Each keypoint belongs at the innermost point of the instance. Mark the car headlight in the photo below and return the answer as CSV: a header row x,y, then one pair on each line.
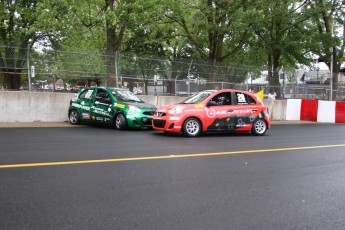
x,y
134,109
175,111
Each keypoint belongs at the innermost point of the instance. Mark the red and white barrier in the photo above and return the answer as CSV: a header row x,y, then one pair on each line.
x,y
315,110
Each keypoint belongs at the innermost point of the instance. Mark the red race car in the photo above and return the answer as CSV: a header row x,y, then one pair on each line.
x,y
214,111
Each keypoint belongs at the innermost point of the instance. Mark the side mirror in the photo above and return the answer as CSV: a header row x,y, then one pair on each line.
x,y
211,103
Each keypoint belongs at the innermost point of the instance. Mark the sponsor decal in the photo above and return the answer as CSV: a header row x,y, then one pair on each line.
x,y
231,123
211,113
243,111
199,106
240,123
174,118
101,112
85,116
84,107
121,106
193,110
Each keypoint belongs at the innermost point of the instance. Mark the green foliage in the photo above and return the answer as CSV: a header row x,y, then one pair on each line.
x,y
227,35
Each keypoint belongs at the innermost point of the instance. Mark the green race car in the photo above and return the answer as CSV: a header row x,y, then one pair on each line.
x,y
114,106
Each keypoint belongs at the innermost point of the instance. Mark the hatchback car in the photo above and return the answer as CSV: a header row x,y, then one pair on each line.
x,y
214,111
114,106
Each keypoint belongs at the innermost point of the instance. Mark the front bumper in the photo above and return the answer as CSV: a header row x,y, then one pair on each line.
x,y
139,121
167,124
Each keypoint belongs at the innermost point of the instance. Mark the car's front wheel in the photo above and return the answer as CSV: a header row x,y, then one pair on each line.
x,y
191,127
74,117
259,127
120,122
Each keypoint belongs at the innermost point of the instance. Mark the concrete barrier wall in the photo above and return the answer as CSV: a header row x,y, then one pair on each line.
x,y
293,109
316,110
326,111
53,107
34,106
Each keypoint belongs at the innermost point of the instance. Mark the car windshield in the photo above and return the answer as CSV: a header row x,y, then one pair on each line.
x,y
198,98
125,96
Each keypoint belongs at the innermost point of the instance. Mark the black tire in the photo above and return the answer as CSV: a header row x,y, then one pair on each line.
x,y
191,127
74,117
259,127
120,122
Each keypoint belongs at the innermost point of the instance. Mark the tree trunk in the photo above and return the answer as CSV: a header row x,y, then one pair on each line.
x,y
115,34
12,81
273,73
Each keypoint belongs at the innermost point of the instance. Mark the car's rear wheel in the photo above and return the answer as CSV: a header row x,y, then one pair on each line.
x,y
259,127
74,117
191,127
120,121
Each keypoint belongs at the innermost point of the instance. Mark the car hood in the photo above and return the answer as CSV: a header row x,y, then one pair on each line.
x,y
143,105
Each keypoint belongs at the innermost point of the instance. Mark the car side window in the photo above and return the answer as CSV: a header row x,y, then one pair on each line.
x,y
251,100
244,99
222,99
102,96
86,94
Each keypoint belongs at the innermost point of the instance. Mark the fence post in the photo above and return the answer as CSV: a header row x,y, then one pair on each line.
x,y
28,66
116,69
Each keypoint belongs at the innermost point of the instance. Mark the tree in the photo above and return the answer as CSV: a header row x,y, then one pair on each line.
x,y
328,18
216,30
280,29
16,21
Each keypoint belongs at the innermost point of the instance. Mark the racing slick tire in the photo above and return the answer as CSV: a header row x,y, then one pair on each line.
x,y
120,122
259,127
191,127
74,117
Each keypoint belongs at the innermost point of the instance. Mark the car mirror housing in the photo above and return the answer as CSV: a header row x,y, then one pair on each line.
x,y
211,103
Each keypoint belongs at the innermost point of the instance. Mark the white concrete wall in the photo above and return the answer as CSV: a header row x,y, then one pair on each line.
x,y
293,109
34,106
326,111
52,107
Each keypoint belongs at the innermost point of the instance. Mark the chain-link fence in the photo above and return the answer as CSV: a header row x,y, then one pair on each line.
x,y
51,70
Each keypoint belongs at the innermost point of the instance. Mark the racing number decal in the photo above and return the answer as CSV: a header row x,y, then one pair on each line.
x,y
241,99
89,94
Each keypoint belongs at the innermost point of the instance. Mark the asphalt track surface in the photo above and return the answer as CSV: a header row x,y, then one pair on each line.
x,y
91,177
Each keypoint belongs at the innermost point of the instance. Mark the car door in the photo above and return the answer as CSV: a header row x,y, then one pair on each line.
x,y
101,108
244,110
218,112
83,103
